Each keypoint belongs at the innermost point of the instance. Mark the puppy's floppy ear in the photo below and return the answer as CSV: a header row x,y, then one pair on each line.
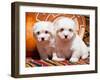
x,y
55,22
33,30
52,30
74,18
34,35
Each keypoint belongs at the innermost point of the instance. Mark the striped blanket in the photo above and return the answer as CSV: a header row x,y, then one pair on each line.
x,y
40,63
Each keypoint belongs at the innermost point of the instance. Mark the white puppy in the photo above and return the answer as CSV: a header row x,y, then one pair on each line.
x,y
68,44
43,32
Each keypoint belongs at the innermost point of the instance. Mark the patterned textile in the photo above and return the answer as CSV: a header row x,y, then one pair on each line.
x,y
42,63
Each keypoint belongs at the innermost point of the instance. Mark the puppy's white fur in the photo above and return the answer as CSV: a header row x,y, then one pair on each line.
x,y
43,32
68,43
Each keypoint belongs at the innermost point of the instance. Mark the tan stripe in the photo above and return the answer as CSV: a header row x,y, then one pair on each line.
x,y
32,64
62,63
55,62
27,65
47,63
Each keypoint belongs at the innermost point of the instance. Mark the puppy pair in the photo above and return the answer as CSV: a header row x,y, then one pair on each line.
x,y
59,39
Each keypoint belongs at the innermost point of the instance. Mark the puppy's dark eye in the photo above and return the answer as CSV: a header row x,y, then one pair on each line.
x,y
61,29
70,30
46,32
38,33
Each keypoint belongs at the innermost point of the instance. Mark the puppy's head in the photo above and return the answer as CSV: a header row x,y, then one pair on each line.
x,y
65,28
43,31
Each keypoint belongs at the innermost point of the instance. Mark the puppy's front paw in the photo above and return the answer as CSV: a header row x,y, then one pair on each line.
x,y
58,59
73,60
85,56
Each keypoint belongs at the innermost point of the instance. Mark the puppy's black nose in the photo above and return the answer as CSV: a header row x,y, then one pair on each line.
x,y
42,39
66,36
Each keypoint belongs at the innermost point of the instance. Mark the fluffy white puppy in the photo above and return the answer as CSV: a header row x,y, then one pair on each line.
x,y
68,44
43,32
